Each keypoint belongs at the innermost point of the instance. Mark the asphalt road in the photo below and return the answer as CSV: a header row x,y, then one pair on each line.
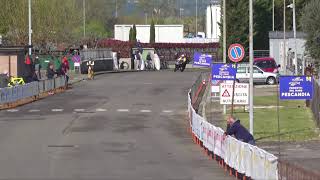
x,y
119,126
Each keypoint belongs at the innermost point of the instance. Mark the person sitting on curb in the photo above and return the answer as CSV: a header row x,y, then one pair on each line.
x,y
241,133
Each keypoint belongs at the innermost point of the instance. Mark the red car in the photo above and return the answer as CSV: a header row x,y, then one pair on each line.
x,y
267,64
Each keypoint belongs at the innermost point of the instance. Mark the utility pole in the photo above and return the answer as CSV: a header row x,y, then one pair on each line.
x,y
251,65
272,15
295,37
116,14
196,17
30,29
224,33
284,37
84,18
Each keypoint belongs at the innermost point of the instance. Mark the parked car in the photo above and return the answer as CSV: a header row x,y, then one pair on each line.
x,y
259,76
267,64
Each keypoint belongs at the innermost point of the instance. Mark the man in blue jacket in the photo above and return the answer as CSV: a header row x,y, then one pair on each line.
x,y
241,133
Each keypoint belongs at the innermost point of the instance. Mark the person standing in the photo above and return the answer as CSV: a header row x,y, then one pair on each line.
x,y
37,68
241,133
90,65
137,60
50,75
64,69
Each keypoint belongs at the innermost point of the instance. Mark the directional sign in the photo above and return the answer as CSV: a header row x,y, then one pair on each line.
x,y
223,71
241,93
202,59
296,87
236,52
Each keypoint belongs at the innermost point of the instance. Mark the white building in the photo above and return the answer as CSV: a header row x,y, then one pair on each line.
x,y
213,16
164,33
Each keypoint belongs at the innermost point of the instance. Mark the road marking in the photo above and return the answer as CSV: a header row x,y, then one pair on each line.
x,y
56,110
34,110
101,110
12,110
79,110
167,111
147,83
123,110
145,111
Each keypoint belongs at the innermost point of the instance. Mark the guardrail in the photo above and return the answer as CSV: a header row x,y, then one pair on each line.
x,y
294,172
16,93
239,158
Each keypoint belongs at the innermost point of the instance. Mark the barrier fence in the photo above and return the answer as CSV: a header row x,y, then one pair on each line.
x,y
13,94
315,102
241,159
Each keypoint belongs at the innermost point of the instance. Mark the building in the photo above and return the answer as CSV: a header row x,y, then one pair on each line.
x,y
164,33
213,16
276,43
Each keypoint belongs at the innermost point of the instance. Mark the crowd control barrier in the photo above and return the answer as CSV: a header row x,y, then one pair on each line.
x,y
238,158
16,93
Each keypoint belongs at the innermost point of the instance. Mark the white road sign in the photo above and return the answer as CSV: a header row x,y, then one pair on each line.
x,y
241,93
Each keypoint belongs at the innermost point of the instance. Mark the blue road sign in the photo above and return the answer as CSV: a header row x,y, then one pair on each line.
x,y
202,59
296,87
236,52
223,71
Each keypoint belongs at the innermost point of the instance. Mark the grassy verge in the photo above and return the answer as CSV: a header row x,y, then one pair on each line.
x,y
296,121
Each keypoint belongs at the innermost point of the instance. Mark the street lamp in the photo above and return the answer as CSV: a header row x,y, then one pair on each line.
x,y
30,29
293,7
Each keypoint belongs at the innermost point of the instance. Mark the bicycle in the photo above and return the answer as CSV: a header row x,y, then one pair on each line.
x,y
14,81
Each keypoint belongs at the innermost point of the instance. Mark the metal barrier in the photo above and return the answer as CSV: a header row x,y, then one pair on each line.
x,y
195,87
13,94
294,172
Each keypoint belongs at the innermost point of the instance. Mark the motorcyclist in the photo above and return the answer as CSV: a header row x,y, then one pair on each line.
x,y
182,59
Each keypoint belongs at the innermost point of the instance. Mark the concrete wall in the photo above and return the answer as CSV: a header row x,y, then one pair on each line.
x,y
164,33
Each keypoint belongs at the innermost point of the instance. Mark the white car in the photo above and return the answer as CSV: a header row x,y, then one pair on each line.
x,y
259,76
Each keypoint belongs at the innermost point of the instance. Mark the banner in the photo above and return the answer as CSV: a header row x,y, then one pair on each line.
x,y
202,59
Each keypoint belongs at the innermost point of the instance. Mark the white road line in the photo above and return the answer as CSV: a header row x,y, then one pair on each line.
x,y
167,111
145,111
101,110
34,110
123,110
56,110
12,110
79,110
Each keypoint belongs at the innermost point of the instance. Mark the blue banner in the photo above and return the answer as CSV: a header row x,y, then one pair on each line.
x,y
223,71
202,59
296,87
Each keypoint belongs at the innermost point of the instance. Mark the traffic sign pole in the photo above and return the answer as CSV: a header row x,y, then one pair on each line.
x,y
233,88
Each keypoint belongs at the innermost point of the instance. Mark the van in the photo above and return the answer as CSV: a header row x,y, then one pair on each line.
x,y
267,64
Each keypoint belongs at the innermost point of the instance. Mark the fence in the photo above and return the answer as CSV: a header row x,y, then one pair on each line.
x,y
315,102
96,54
10,95
240,158
294,172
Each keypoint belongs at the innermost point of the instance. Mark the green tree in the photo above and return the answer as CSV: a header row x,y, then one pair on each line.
x,y
134,33
310,22
152,33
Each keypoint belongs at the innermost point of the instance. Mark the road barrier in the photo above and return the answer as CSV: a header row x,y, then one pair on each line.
x,y
237,158
33,89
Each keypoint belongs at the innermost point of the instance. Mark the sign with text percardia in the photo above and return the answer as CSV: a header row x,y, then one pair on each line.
x,y
241,93
222,71
202,59
296,88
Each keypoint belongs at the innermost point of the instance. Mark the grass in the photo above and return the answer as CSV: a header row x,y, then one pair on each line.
x,y
296,120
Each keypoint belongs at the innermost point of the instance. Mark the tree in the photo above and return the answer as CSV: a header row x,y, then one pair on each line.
x,y
131,35
152,33
310,22
134,33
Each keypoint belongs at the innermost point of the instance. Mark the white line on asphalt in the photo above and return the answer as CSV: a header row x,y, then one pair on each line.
x,y
56,110
12,110
79,110
145,111
123,110
34,110
101,110
167,111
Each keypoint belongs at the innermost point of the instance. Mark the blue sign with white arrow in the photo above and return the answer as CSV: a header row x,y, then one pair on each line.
x,y
296,88
223,71
202,59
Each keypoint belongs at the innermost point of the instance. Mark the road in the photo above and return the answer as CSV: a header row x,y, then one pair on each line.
x,y
119,126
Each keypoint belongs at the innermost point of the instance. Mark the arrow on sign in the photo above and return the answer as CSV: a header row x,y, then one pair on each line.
x,y
225,93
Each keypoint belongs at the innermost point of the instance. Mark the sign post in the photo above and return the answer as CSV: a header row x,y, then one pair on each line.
x,y
236,54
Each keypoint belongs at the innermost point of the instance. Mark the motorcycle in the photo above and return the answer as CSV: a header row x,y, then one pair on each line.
x,y
180,64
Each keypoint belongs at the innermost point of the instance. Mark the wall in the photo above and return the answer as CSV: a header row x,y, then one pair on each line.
x,y
164,33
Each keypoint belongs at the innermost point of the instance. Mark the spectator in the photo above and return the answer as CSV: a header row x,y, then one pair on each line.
x,y
137,60
50,74
64,68
37,67
241,133
118,59
4,79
